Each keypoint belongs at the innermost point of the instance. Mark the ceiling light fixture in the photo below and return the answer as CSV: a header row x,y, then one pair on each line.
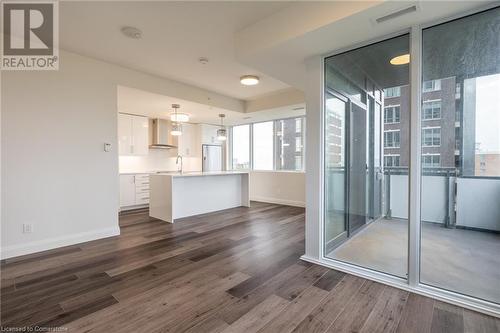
x,y
222,132
177,116
249,80
401,60
176,129
132,32
176,126
203,60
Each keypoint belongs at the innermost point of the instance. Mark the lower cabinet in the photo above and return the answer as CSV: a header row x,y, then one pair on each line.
x,y
134,191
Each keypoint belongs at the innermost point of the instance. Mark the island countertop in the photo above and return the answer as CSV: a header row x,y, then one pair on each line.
x,y
175,195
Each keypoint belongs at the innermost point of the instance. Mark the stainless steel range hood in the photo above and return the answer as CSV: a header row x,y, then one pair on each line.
x,y
162,139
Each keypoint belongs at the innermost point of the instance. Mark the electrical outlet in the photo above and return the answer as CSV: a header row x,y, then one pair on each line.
x,y
27,228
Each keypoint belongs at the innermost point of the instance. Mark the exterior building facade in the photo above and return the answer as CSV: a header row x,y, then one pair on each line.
x,y
438,125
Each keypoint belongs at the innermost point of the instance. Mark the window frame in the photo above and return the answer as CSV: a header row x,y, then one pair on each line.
x,y
392,89
435,87
275,157
393,112
432,164
432,129
432,101
392,156
399,141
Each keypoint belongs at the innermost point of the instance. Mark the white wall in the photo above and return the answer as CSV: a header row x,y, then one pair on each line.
x,y
55,174
314,123
281,187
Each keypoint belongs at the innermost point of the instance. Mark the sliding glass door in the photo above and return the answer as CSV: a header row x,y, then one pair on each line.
x,y
337,111
363,225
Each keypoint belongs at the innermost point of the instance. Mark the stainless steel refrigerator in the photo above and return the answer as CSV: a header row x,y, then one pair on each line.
x,y
212,157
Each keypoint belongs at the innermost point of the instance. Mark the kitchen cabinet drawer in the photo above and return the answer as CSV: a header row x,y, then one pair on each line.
x,y
142,183
142,198
142,189
142,178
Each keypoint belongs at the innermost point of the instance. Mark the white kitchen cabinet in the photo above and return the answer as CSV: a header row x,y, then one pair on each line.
x,y
134,190
140,135
133,134
124,134
127,190
209,134
189,144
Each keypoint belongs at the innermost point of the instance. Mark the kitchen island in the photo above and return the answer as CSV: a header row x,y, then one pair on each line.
x,y
177,195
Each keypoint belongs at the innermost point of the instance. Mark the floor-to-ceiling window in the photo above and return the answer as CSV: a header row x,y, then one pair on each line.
x,y
366,156
276,145
263,146
240,147
460,120
453,113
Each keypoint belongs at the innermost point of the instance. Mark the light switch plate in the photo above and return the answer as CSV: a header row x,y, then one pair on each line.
x,y
27,228
107,147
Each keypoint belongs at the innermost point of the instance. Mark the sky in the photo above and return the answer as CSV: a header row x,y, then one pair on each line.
x,y
488,113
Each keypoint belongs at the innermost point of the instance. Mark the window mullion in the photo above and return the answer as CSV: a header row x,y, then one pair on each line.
x,y
415,157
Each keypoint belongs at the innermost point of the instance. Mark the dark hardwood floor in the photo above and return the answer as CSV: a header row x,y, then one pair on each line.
x,y
232,271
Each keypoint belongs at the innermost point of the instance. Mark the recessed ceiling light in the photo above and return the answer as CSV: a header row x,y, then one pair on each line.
x,y
132,32
249,80
401,60
203,60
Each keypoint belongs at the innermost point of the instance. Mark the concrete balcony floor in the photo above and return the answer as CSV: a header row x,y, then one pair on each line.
x,y
463,261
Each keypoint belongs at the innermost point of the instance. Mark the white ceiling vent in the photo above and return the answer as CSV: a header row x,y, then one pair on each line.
x,y
397,13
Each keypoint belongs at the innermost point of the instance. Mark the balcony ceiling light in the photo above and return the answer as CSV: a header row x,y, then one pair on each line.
x,y
249,80
401,60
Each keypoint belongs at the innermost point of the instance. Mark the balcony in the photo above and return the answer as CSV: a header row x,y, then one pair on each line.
x,y
460,233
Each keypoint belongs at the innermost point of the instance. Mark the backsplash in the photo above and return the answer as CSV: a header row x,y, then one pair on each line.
x,y
157,160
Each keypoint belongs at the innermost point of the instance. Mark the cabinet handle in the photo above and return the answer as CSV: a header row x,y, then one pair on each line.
x,y
132,149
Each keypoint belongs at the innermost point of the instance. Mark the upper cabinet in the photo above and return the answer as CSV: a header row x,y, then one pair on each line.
x,y
189,142
209,134
133,134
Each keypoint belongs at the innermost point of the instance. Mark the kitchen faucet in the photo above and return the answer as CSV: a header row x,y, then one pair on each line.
x,y
177,162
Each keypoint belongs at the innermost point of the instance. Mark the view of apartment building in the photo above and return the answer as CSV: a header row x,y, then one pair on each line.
x,y
439,107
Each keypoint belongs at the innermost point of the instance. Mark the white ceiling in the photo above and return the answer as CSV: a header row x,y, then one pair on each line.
x,y
175,35
330,26
153,105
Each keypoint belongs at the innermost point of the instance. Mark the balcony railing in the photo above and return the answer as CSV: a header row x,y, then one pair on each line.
x,y
447,199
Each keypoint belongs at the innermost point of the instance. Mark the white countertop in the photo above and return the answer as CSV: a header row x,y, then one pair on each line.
x,y
201,174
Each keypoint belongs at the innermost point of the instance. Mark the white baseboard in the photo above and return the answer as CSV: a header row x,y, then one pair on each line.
x,y
279,201
52,243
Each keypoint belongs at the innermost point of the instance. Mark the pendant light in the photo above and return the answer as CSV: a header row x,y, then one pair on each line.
x,y
177,116
176,125
221,132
